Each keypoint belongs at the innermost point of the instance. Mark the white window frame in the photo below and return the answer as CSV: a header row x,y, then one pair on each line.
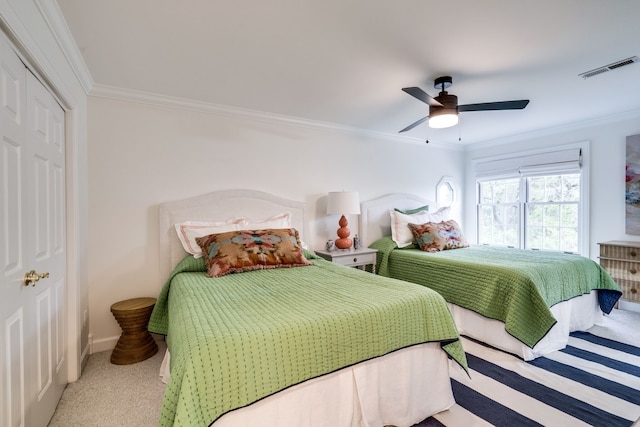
x,y
445,184
511,166
526,205
519,206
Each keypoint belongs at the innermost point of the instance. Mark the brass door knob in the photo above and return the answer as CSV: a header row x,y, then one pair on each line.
x,y
32,277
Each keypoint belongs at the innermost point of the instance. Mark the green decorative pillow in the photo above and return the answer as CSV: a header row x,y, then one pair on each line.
x,y
442,236
246,250
424,208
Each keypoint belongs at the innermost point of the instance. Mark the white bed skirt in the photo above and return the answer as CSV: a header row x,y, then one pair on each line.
x,y
399,389
577,314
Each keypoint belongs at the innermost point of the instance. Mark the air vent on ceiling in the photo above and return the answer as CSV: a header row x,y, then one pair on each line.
x,y
609,67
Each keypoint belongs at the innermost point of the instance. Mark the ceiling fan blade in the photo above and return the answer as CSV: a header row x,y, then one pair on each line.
x,y
412,125
487,106
418,93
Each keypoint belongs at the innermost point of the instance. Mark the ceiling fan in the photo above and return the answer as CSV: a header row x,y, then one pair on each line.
x,y
444,108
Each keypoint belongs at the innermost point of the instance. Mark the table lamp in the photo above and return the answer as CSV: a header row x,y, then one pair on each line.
x,y
343,203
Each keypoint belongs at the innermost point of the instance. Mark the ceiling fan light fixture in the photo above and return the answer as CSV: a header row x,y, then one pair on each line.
x,y
444,108
443,118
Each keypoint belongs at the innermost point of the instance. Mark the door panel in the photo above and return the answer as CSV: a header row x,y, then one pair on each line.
x,y
12,238
58,216
14,408
59,350
44,343
41,209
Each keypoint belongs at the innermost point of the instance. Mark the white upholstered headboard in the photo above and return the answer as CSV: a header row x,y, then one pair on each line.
x,y
375,221
219,206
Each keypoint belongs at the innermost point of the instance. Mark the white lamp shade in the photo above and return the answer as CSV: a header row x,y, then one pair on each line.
x,y
343,202
443,120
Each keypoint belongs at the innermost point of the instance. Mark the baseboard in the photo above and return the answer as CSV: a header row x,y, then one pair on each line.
x,y
103,344
109,343
84,356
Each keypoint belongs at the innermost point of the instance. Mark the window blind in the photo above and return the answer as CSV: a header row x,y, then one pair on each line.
x,y
552,162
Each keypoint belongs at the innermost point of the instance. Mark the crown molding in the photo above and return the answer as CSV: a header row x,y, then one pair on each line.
x,y
31,54
555,130
62,34
149,98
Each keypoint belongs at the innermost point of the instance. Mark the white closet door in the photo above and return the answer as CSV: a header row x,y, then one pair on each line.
x,y
46,235
32,229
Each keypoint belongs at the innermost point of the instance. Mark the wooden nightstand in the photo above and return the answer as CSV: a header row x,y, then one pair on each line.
x,y
622,261
352,258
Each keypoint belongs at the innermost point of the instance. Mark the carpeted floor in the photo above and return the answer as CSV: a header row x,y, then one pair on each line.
x,y
131,395
108,395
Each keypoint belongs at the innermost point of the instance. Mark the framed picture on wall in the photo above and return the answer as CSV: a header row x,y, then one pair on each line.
x,y
632,186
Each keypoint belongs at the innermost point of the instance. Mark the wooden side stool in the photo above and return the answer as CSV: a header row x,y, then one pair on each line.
x,y
136,343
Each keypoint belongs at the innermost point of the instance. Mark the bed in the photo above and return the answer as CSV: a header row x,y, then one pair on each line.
x,y
311,345
520,301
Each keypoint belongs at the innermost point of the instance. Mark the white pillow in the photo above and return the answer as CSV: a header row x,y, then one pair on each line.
x,y
442,214
400,231
282,220
189,230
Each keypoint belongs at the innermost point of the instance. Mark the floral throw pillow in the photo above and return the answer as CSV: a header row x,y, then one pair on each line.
x,y
246,250
442,236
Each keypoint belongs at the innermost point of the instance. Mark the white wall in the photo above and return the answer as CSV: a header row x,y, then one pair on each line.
x,y
141,155
607,139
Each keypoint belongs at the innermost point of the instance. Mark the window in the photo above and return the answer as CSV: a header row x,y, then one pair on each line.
x,y
499,212
445,193
531,206
552,212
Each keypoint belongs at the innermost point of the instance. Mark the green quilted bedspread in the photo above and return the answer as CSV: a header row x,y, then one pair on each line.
x,y
514,286
242,337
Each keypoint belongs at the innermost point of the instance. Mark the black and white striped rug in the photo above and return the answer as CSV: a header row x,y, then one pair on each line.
x,y
593,382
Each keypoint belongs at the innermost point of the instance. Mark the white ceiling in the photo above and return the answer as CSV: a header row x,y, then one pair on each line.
x,y
345,61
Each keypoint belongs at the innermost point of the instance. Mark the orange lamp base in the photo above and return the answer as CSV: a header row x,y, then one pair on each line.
x,y
344,242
